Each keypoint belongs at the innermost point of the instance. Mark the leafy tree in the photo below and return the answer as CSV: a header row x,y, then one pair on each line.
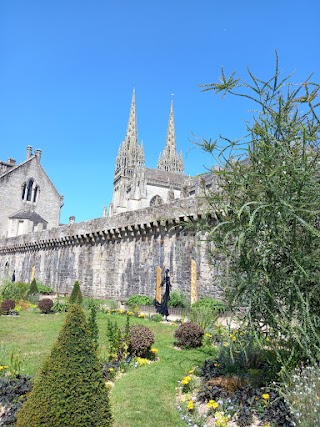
x,y
69,391
264,211
76,295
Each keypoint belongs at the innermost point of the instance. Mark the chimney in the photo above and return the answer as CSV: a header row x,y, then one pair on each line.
x,y
11,161
38,154
29,152
72,220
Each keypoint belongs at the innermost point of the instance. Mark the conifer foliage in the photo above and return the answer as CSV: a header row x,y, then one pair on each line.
x,y
76,295
69,391
33,290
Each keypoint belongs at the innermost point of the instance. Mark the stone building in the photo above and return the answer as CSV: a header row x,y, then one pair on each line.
x,y
29,200
135,186
119,254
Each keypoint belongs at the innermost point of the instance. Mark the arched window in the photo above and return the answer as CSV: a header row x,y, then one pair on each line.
x,y
35,194
156,201
23,191
29,192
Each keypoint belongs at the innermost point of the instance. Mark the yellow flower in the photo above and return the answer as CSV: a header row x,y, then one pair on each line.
x,y
190,405
141,315
208,335
221,420
233,337
142,361
191,371
111,369
154,350
3,367
217,365
267,339
120,311
185,380
266,425
212,404
266,396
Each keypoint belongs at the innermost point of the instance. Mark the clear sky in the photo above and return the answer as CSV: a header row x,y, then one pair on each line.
x,y
68,67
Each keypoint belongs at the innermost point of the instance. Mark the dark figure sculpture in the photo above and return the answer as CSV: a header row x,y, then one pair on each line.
x,y
13,278
162,308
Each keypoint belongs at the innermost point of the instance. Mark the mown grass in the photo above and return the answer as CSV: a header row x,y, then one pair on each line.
x,y
143,397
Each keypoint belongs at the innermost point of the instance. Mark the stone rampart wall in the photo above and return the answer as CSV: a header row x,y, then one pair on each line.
x,y
114,257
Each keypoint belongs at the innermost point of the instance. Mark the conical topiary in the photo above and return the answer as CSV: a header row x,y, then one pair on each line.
x,y
76,295
33,290
69,392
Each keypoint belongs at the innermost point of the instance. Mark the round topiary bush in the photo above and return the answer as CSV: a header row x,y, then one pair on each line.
x,y
69,391
189,335
141,339
45,305
7,306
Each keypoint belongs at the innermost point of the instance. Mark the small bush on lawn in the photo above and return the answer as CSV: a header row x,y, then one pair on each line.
x,y
69,390
203,316
215,305
141,339
118,341
60,306
76,295
7,306
138,300
13,391
157,317
44,289
45,305
189,335
15,290
33,288
178,300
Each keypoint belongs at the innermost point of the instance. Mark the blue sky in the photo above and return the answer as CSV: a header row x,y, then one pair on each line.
x,y
67,70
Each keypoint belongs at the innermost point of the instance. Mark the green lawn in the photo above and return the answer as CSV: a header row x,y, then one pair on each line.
x,y
143,397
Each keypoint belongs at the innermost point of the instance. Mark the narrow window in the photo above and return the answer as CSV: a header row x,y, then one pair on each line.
x,y
24,190
35,194
29,193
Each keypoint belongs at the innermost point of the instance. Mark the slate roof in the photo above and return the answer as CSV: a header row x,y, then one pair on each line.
x,y
31,216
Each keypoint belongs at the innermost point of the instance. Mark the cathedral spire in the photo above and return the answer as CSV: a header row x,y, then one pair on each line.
x,y
131,153
132,133
169,159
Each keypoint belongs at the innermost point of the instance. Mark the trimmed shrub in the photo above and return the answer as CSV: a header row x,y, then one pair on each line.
x,y
141,339
76,295
178,300
45,305
189,335
33,288
137,300
7,306
69,390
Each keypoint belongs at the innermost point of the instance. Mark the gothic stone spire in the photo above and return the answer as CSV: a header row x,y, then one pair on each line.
x,y
169,160
131,153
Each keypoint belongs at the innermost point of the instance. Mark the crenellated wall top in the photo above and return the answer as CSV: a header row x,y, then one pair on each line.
x,y
128,224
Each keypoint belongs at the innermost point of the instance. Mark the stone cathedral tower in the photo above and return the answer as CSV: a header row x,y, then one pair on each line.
x,y
136,186
169,160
